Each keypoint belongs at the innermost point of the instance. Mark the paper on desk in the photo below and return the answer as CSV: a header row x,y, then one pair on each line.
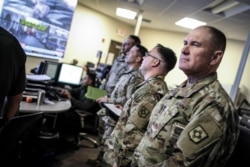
x,y
113,108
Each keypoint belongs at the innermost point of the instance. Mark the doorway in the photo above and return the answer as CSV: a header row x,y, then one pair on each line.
x,y
113,52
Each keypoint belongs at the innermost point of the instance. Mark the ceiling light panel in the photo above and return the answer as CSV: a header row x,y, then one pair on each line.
x,y
126,13
190,23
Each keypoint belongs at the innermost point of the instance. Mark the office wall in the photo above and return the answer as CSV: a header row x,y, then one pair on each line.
x,y
92,31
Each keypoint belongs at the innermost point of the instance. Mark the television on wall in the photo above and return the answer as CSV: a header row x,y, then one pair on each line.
x,y
41,26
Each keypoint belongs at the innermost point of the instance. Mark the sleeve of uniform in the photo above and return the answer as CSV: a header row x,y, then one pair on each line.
x,y
138,121
200,137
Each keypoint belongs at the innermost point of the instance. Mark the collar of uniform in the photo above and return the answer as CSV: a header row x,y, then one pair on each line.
x,y
121,58
130,70
186,91
152,79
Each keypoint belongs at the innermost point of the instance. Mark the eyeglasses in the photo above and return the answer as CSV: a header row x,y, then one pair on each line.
x,y
148,54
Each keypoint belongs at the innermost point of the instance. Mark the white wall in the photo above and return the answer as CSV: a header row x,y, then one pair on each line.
x,y
92,31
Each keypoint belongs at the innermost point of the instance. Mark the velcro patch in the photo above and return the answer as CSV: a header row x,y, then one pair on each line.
x,y
198,134
143,113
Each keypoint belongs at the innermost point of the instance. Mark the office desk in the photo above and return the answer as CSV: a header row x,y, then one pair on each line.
x,y
57,107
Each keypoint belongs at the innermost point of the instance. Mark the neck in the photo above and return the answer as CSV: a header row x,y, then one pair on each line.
x,y
194,79
150,75
133,66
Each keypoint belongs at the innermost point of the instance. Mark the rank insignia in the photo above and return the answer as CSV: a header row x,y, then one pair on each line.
x,y
198,134
143,113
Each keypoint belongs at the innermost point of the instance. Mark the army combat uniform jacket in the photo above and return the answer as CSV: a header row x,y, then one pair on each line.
x,y
123,90
133,120
194,126
118,68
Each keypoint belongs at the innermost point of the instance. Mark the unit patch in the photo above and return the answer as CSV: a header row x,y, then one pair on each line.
x,y
143,113
198,134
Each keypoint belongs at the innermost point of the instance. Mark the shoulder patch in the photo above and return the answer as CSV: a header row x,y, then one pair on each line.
x,y
198,134
143,113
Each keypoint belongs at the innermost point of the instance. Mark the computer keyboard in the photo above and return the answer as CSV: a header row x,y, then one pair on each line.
x,y
41,77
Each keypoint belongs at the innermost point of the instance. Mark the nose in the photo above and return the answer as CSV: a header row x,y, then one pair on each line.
x,y
185,49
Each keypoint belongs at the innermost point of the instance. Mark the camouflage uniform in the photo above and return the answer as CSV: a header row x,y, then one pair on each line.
x,y
133,121
118,68
123,91
194,126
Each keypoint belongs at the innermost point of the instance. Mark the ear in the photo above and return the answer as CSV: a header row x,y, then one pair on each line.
x,y
138,59
156,62
216,57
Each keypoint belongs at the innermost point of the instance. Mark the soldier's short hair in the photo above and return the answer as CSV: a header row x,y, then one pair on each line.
x,y
168,56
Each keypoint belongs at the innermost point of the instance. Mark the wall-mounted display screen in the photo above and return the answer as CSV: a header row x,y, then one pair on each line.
x,y
41,26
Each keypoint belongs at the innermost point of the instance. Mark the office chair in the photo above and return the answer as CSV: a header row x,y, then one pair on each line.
x,y
240,156
14,136
101,72
88,120
92,93
82,134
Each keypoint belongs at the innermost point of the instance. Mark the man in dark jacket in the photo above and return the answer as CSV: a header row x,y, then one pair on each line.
x,y
69,120
12,72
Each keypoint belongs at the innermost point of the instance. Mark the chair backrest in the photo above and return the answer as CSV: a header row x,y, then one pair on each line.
x,y
18,129
102,71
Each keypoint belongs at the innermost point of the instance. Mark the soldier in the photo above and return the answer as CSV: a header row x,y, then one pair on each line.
x,y
136,112
119,65
196,124
123,90
117,69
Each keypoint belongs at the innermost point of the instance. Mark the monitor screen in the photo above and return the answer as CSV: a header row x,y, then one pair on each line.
x,y
70,74
51,69
41,26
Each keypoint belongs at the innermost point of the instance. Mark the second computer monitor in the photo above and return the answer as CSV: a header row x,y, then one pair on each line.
x,y
51,69
70,74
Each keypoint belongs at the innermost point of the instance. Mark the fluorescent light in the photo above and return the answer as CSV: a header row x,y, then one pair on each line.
x,y
189,23
236,10
224,6
125,13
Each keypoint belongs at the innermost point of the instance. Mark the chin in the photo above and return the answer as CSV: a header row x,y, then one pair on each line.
x,y
181,67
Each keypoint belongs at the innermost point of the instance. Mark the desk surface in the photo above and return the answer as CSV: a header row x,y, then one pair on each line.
x,y
59,106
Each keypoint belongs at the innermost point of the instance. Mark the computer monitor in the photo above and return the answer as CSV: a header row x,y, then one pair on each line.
x,y
40,68
51,69
69,74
